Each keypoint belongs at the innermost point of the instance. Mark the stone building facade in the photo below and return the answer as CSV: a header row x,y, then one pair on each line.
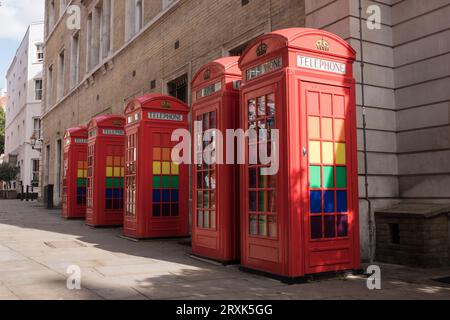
x,y
132,47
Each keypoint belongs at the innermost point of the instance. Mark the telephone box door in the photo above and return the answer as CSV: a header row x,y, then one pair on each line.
x,y
329,214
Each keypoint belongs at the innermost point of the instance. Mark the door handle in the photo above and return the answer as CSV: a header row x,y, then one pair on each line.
x,y
305,151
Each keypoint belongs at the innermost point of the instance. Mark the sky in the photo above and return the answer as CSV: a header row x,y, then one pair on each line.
x,y
15,17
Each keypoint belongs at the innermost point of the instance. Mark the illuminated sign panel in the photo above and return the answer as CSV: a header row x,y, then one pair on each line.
x,y
165,116
321,64
264,68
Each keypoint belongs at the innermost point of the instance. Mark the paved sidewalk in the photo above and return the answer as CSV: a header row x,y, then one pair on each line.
x,y
37,246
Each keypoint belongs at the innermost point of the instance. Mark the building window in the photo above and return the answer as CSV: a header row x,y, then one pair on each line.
x,y
167,3
37,128
35,172
49,87
62,7
134,11
239,50
89,43
61,73
39,52
75,60
38,89
106,28
50,16
178,88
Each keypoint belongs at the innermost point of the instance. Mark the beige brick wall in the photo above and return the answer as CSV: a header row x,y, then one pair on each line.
x,y
206,30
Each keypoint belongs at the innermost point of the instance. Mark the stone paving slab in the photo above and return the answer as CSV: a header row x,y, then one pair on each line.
x,y
37,247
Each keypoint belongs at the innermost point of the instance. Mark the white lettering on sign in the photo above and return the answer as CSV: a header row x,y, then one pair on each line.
x,y
78,140
165,116
321,64
264,68
113,132
209,90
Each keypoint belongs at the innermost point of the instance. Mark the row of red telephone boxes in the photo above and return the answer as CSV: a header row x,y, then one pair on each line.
x,y
302,220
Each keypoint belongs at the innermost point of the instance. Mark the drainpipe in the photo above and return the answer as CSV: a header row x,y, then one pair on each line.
x,y
371,220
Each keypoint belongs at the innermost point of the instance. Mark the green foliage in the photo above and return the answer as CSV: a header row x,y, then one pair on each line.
x,y
8,172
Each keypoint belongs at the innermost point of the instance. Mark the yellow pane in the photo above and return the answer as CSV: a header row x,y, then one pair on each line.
x,y
327,153
327,128
314,128
340,153
339,130
80,174
314,152
85,173
166,168
109,161
156,167
175,169
109,171
122,172
117,171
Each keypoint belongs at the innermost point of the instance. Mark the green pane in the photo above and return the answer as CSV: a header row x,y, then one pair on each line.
x,y
341,177
81,182
156,182
328,177
166,182
118,183
175,182
315,178
109,182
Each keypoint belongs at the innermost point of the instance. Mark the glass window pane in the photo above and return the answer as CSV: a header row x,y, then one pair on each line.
x,y
252,201
273,227
252,110
252,178
261,106
342,224
316,227
271,104
263,225
330,226
253,225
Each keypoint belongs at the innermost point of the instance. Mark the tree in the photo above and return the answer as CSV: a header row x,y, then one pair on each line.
x,y
2,131
8,172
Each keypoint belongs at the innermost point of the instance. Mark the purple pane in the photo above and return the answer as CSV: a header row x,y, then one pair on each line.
x,y
316,227
342,226
330,226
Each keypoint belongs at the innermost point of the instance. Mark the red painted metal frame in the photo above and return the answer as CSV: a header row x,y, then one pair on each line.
x,y
222,241
75,150
102,143
292,253
139,222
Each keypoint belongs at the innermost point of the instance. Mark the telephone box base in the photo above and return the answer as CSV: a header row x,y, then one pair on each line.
x,y
214,261
305,279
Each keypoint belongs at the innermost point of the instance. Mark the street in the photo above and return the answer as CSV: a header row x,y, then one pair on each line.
x,y
37,247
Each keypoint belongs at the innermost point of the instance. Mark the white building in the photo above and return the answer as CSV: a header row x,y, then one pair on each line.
x,y
23,110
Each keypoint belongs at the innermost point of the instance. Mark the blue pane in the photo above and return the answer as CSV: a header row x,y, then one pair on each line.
x,y
79,191
116,193
342,201
166,196
328,202
316,202
156,196
175,195
121,193
83,190
109,193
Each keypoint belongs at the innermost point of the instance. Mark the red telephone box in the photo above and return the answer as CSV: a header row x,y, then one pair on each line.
x,y
106,171
156,188
215,205
75,173
304,219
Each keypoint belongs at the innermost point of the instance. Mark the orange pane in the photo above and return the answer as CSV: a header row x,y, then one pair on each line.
x,y
314,128
327,153
325,104
157,154
339,130
312,101
109,161
339,106
327,128
117,161
166,155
